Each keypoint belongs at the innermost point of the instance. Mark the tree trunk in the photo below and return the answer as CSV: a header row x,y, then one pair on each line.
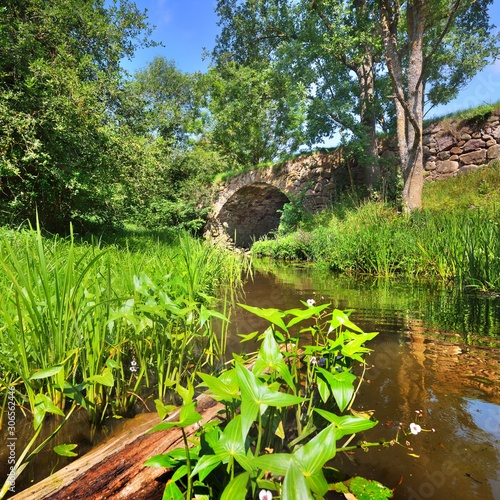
x,y
366,79
368,120
115,470
409,104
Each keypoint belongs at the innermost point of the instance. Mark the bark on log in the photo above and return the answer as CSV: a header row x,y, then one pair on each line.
x,y
115,470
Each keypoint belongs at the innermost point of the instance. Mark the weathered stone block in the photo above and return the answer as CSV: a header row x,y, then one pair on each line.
x,y
430,165
467,168
476,157
473,144
456,151
490,142
493,152
445,141
443,155
465,137
447,166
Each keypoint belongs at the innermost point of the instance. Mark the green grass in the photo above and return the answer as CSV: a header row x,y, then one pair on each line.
x,y
456,237
479,189
75,316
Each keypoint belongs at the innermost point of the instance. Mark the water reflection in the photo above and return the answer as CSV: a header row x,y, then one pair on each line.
x,y
423,359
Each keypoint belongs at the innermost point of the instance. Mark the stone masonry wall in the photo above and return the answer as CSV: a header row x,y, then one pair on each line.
x,y
249,205
455,147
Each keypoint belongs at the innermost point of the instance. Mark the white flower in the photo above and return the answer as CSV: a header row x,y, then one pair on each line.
x,y
314,361
311,302
415,428
265,495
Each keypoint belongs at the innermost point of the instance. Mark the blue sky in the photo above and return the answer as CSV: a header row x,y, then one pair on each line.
x,y
186,27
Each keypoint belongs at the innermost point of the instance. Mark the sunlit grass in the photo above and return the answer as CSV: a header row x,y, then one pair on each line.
x,y
99,322
456,237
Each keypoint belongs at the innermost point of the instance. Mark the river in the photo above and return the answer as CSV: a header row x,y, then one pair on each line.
x,y
437,352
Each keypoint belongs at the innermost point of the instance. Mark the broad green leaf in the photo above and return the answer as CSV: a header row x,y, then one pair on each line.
x,y
180,472
255,394
248,410
186,394
106,378
274,316
317,482
341,386
347,424
280,431
66,450
277,463
44,405
205,465
237,488
314,454
232,444
339,319
162,409
231,439
354,348
164,460
206,314
46,372
74,392
172,492
188,416
323,389
304,314
248,336
294,485
111,363
280,399
222,388
270,358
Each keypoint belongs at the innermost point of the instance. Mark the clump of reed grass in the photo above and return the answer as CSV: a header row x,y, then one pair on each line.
x,y
98,323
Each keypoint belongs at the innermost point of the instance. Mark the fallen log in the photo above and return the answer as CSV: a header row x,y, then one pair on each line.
x,y
115,468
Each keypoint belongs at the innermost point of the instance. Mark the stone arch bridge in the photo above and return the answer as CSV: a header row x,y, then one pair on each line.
x,y
248,206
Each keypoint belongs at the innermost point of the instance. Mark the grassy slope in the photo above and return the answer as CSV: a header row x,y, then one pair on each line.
x,y
480,189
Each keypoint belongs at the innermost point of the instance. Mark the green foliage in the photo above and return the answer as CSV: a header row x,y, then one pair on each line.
x,y
278,440
59,71
292,214
86,325
256,113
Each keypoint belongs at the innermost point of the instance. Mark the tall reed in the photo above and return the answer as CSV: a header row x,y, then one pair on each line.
x,y
100,324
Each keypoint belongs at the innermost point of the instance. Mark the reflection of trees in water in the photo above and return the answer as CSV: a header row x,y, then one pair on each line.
x,y
462,455
443,309
466,313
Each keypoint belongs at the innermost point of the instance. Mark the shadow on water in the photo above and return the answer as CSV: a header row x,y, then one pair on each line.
x,y
436,353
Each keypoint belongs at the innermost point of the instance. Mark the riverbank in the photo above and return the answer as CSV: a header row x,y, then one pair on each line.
x,y
455,237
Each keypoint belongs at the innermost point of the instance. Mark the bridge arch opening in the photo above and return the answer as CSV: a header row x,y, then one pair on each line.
x,y
252,212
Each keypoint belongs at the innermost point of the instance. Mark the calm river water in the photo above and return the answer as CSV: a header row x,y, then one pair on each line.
x,y
437,351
